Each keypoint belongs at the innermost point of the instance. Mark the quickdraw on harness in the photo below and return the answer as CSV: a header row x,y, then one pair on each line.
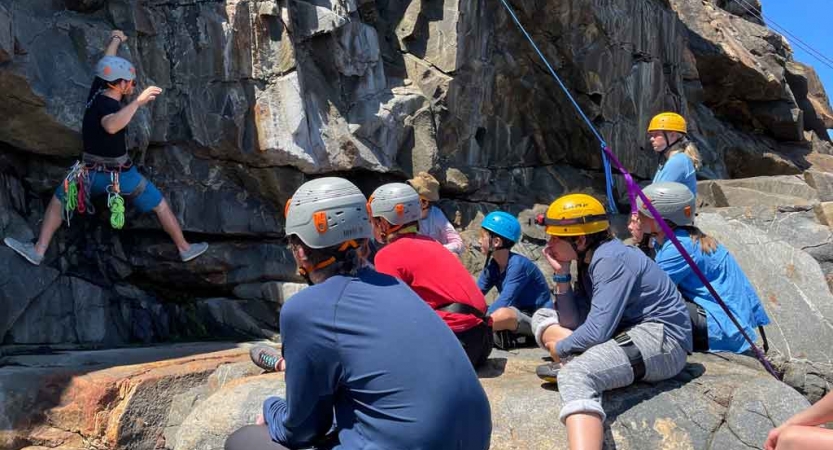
x,y
78,184
634,190
115,202
76,188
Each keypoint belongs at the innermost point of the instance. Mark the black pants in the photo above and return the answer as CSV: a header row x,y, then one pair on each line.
x,y
477,342
699,327
256,437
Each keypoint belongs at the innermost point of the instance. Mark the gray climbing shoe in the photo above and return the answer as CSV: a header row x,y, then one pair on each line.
x,y
24,249
266,358
548,372
195,250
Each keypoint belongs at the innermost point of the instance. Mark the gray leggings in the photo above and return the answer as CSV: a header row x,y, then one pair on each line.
x,y
605,366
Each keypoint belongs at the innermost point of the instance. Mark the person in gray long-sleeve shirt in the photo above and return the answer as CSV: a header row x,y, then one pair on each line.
x,y
625,321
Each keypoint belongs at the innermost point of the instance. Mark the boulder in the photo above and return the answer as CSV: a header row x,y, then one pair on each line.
x,y
113,399
786,207
781,191
811,97
713,400
789,282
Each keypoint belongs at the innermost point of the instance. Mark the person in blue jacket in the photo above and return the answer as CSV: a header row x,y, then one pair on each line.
x,y
369,365
522,287
713,329
679,159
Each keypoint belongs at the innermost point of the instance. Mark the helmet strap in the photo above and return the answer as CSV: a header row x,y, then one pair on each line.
x,y
396,231
307,269
669,144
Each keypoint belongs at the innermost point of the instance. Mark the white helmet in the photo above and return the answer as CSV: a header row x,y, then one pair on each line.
x,y
112,68
327,211
674,201
397,203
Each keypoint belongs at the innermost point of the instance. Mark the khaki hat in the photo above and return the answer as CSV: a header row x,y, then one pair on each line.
x,y
426,186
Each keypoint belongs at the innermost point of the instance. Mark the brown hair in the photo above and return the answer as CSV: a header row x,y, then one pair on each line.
x,y
708,244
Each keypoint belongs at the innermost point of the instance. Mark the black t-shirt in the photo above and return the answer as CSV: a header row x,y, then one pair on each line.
x,y
96,139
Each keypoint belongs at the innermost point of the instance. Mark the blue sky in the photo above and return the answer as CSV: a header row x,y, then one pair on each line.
x,y
809,20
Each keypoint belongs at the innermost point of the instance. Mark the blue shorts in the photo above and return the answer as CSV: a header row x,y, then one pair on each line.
x,y
128,181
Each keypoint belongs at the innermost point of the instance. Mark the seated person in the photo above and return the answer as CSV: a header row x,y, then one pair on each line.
x,y
368,364
432,221
523,288
626,321
431,271
713,329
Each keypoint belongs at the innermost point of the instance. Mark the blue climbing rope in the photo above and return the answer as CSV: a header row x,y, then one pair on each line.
x,y
605,161
634,191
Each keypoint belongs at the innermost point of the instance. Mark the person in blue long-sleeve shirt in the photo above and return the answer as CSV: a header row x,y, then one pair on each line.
x,y
369,365
624,322
522,286
713,330
679,160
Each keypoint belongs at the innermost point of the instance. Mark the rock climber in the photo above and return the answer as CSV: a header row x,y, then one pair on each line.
x,y
105,166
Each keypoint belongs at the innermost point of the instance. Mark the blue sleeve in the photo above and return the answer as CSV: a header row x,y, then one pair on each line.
x,y
312,374
613,283
513,283
485,283
675,169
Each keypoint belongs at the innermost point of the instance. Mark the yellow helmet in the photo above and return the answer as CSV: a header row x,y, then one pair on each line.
x,y
668,121
576,215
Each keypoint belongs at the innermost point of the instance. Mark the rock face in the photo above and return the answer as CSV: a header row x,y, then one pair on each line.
x,y
259,96
191,401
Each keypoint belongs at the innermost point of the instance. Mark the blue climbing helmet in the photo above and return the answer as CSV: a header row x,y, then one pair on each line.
x,y
503,224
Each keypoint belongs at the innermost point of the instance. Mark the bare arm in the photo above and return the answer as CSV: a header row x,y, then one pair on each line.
x,y
116,38
113,123
818,414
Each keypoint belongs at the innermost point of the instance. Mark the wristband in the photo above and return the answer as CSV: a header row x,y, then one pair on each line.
x,y
562,278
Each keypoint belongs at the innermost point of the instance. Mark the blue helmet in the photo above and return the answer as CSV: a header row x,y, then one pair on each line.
x,y
503,224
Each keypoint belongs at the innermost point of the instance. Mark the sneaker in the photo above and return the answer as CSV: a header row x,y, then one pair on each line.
x,y
548,372
195,250
24,249
265,357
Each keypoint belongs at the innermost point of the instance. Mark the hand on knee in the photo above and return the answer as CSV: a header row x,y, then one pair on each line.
x,y
504,319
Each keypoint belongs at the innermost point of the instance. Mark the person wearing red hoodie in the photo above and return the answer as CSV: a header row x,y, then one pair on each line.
x,y
434,273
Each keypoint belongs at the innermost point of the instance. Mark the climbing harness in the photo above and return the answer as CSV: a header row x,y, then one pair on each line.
x,y
633,191
78,183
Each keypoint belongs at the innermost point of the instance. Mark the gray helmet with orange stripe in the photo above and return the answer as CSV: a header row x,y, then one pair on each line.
x,y
674,201
397,203
326,212
112,68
